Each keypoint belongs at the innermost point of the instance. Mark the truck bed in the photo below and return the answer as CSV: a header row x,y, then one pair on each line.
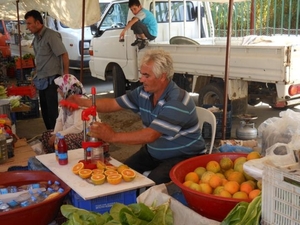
x,y
269,59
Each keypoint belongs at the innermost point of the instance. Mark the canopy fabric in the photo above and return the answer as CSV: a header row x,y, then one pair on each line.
x,y
69,12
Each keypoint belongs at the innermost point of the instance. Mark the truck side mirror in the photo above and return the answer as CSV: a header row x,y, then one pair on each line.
x,y
194,12
94,29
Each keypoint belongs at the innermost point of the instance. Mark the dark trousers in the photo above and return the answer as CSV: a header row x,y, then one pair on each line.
x,y
140,28
142,161
49,105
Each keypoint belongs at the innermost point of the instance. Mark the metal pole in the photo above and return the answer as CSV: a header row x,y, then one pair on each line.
x,y
82,41
19,39
227,64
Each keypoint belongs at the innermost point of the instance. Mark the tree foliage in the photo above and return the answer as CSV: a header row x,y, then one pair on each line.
x,y
270,17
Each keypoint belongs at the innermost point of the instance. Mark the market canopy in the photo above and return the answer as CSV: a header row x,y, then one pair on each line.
x,y
69,12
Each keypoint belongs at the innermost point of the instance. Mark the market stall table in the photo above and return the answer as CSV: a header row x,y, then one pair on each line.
x,y
87,190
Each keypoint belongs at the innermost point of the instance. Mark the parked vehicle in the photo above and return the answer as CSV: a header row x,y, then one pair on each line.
x,y
262,68
5,39
71,38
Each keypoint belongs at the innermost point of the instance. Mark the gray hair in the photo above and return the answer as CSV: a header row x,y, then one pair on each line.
x,y
162,62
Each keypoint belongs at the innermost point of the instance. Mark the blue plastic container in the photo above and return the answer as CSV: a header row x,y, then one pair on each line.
x,y
103,204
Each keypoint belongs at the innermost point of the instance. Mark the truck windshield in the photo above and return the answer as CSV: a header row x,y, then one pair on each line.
x,y
117,14
177,11
115,17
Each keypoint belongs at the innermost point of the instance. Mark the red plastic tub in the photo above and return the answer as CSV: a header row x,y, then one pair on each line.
x,y
207,205
42,213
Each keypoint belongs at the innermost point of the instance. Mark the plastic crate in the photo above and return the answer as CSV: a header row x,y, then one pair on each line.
x,y
28,90
206,130
103,204
26,63
34,109
26,73
281,195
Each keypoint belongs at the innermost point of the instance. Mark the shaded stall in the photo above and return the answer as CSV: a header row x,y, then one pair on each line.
x,y
72,13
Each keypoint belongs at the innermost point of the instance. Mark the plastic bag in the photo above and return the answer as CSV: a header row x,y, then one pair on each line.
x,y
255,167
279,130
235,148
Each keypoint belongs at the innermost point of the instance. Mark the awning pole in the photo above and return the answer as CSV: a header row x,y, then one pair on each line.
x,y
82,41
19,39
227,64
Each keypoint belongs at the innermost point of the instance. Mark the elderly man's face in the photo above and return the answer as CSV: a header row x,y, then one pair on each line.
x,y
150,82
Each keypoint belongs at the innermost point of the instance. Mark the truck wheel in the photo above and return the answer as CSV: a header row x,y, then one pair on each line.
x,y
211,94
119,81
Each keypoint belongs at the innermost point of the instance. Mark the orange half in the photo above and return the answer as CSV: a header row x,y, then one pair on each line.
x,y
98,171
85,173
77,167
114,178
128,175
110,172
98,179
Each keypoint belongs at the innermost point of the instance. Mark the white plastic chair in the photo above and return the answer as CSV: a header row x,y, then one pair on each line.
x,y
204,115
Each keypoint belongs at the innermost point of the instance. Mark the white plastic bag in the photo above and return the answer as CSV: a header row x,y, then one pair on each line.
x,y
279,130
182,214
255,167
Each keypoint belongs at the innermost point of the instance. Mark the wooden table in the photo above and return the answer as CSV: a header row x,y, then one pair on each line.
x,y
87,190
21,156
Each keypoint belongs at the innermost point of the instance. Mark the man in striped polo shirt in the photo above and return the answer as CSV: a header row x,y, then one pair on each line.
x,y
171,131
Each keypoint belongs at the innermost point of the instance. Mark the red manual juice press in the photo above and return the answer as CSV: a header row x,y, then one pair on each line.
x,y
91,111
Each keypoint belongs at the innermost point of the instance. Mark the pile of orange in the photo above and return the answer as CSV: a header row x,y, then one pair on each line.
x,y
225,178
109,173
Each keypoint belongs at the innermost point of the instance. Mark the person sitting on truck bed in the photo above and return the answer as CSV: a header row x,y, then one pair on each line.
x,y
143,24
171,131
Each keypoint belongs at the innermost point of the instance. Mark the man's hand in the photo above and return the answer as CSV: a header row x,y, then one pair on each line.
x,y
101,131
75,102
122,34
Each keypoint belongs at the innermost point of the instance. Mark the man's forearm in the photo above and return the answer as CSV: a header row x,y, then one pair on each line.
x,y
143,136
65,59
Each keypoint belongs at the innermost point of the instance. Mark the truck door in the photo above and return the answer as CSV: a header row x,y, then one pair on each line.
x,y
106,46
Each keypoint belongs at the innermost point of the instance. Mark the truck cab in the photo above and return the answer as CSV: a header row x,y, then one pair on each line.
x,y
109,57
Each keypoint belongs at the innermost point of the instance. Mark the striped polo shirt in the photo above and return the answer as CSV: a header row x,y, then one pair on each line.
x,y
174,117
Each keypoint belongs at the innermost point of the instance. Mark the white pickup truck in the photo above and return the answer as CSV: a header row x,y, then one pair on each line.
x,y
262,68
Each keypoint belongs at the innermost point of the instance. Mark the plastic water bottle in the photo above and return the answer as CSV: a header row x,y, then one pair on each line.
x,y
29,186
55,186
57,135
62,151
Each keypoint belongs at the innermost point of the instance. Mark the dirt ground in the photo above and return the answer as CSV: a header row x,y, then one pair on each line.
x,y
124,120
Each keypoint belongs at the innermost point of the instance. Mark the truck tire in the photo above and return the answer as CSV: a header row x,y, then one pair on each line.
x,y
211,94
119,81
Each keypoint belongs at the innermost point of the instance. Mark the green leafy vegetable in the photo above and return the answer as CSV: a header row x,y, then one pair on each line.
x,y
120,214
142,211
253,212
236,214
244,213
